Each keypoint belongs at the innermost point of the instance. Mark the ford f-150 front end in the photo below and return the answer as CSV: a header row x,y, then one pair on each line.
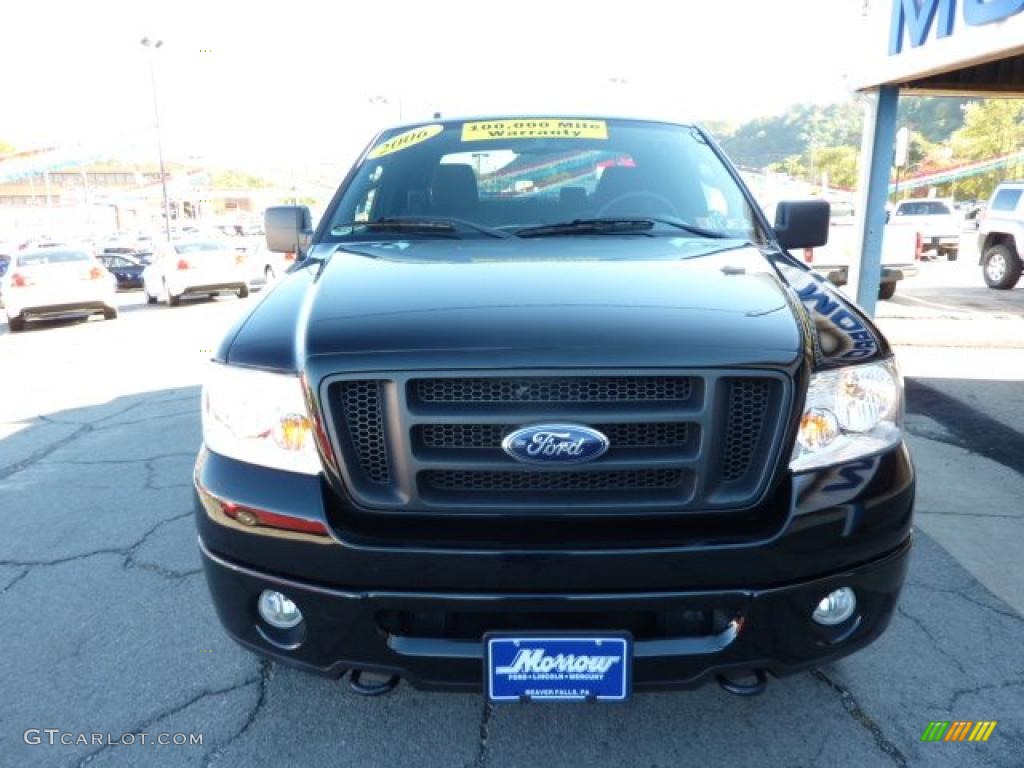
x,y
541,387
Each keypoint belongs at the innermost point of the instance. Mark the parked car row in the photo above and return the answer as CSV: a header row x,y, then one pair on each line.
x,y
64,280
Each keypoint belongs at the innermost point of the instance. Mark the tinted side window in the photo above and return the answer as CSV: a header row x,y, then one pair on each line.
x,y
1007,199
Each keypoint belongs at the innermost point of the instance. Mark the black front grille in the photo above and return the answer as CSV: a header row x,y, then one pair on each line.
x,y
555,389
679,442
616,480
747,409
650,435
361,401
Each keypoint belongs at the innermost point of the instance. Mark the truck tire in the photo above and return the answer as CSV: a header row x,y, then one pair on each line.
x,y
952,254
887,290
1001,267
16,324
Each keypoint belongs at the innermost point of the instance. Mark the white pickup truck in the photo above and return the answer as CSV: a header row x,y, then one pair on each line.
x,y
834,260
937,222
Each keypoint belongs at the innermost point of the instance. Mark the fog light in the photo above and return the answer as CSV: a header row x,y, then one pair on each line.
x,y
278,611
836,607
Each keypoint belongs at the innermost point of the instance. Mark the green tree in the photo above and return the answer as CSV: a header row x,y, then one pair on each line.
x,y
801,129
235,179
840,163
935,118
793,165
991,128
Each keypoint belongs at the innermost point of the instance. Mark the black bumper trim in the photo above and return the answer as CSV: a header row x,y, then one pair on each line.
x,y
772,629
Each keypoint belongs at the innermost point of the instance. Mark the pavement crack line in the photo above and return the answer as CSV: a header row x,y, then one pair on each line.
x,y
485,734
140,460
147,419
84,428
931,638
148,724
42,453
15,580
962,594
266,673
959,693
126,553
850,704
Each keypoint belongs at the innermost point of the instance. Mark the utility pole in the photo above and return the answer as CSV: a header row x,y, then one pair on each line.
x,y
154,46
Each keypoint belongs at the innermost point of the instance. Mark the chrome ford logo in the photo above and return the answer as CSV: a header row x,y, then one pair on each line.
x,y
555,444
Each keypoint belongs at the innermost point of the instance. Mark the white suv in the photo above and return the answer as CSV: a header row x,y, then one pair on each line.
x,y
1001,236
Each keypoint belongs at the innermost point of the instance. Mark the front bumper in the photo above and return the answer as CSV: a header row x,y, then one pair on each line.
x,y
770,629
847,525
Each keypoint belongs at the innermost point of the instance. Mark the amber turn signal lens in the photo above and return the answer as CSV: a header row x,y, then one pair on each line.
x,y
292,431
818,428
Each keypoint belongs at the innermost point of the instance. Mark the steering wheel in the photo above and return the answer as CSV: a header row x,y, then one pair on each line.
x,y
663,204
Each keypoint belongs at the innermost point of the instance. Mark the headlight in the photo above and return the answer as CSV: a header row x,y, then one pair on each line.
x,y
850,412
260,418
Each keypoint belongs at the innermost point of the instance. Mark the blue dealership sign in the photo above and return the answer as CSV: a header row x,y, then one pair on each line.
x,y
915,18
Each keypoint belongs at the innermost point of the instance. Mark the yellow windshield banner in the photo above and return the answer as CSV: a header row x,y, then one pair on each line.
x,y
538,128
404,140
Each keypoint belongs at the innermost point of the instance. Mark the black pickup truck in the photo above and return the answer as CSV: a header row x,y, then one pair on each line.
x,y
545,408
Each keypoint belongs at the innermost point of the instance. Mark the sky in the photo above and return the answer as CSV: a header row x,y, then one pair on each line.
x,y
255,84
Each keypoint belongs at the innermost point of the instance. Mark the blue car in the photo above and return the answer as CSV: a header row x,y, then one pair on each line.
x,y
126,269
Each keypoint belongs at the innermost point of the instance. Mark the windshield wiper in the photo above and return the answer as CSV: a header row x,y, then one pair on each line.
x,y
613,226
427,225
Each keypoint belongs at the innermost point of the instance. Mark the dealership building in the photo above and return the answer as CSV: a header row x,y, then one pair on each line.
x,y
930,47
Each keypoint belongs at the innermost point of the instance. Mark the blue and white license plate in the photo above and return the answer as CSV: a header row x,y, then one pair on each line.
x,y
558,667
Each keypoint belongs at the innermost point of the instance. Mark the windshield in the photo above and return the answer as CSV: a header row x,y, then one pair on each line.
x,y
51,257
923,209
509,175
199,246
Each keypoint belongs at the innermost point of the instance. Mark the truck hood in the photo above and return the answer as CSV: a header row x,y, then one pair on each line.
x,y
579,301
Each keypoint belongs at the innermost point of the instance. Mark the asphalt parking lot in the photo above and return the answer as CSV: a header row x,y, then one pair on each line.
x,y
107,628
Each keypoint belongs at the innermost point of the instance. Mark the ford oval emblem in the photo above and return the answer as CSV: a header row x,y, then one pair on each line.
x,y
555,444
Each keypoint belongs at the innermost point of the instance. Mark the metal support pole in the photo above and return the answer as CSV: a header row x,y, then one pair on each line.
x,y
155,46
873,191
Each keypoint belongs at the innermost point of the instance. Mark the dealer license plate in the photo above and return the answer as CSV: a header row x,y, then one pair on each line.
x,y
558,667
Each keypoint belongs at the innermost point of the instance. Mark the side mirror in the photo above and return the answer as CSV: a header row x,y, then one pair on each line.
x,y
288,227
802,223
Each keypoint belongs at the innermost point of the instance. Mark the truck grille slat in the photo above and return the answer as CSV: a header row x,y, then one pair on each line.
x,y
563,389
657,435
629,480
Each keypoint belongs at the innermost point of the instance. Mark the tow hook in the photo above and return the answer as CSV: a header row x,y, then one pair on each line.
x,y
377,687
744,688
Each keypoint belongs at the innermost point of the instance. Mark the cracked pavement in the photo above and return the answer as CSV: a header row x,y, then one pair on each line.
x,y
107,626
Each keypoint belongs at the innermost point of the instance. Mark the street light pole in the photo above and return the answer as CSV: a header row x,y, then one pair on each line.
x,y
156,45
